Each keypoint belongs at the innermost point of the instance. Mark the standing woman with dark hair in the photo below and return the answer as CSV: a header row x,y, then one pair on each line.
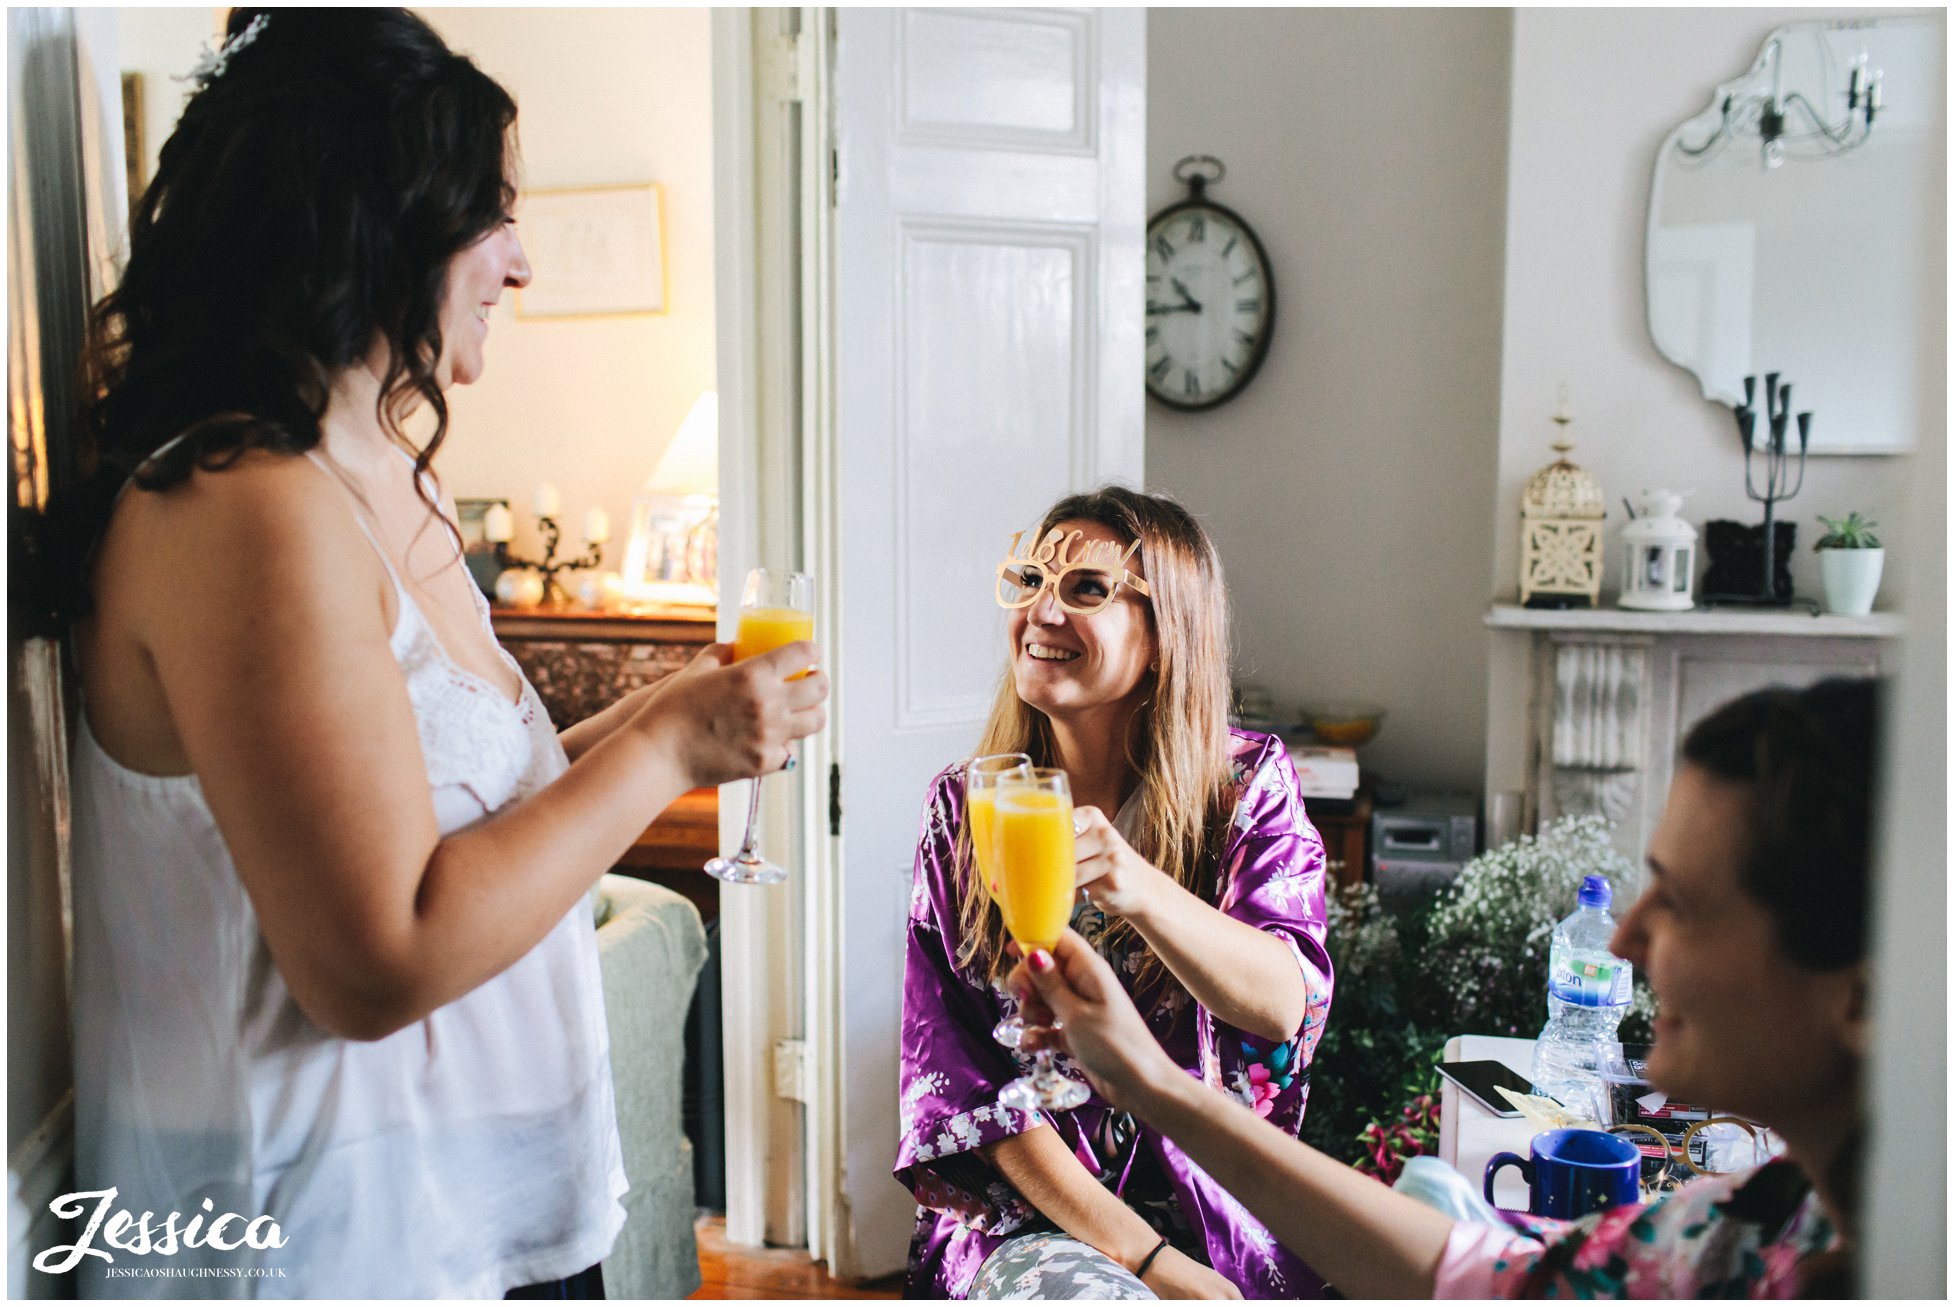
x,y
333,960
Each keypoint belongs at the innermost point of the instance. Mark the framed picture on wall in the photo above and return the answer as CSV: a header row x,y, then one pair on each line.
x,y
135,141
477,551
593,251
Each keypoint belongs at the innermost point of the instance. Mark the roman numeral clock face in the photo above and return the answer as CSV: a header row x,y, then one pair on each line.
x,y
1210,305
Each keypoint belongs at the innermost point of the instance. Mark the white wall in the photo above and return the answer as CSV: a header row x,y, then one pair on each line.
x,y
1594,92
1348,487
163,45
605,96
1906,1220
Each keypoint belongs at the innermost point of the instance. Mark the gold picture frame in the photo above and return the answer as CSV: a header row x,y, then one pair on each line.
x,y
594,252
135,141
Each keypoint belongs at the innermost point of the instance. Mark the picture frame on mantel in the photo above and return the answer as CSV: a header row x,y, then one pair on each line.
x,y
594,251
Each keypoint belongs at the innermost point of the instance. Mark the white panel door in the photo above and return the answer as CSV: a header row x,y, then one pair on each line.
x,y
988,344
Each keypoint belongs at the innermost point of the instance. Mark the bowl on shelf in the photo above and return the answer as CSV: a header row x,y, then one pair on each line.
x,y
1343,723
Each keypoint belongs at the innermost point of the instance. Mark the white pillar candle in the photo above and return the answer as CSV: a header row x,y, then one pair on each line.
x,y
597,526
498,524
548,502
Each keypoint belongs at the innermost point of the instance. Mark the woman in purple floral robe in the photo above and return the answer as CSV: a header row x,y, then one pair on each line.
x,y
1115,1198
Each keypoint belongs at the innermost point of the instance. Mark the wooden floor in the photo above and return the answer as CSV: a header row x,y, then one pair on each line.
x,y
729,1272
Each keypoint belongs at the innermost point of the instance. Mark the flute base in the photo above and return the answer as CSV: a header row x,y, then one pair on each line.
x,y
1043,1089
746,869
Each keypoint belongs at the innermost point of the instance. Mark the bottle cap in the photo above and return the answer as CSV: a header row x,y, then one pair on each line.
x,y
1596,892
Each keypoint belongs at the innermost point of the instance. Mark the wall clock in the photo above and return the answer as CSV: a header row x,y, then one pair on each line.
x,y
1211,301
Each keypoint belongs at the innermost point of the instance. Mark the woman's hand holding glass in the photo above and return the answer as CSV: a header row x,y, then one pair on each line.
x,y
723,721
1111,876
776,613
1073,1002
1035,868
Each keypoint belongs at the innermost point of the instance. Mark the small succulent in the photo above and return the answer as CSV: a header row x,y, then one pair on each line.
x,y
1850,532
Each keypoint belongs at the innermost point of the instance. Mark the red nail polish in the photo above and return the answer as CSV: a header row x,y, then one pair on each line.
x,y
1040,960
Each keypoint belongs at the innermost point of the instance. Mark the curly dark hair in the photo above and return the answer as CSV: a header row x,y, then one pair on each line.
x,y
1809,758
304,210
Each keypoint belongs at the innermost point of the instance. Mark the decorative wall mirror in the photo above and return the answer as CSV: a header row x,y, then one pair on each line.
x,y
1790,228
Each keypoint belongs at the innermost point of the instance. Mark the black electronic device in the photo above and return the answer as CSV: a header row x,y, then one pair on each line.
x,y
1483,1081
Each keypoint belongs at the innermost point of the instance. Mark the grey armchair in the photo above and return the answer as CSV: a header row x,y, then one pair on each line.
x,y
651,945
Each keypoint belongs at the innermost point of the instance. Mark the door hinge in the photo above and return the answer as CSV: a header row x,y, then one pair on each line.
x,y
784,69
834,799
790,1069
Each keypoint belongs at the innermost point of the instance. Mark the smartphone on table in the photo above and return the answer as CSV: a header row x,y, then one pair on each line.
x,y
1483,1080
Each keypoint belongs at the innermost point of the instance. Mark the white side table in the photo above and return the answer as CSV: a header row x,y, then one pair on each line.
x,y
1469,1135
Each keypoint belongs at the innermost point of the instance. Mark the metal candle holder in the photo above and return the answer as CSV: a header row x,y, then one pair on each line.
x,y
553,591
1781,480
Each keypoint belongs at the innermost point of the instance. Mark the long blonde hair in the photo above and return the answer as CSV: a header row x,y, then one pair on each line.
x,y
1178,741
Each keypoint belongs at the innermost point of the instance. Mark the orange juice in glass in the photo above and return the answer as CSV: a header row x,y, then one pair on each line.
x,y
1037,868
980,781
763,630
776,608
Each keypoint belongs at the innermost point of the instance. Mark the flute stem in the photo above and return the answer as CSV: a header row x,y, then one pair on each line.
x,y
752,820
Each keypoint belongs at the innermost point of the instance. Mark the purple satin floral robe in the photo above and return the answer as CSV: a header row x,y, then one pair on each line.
x,y
1272,877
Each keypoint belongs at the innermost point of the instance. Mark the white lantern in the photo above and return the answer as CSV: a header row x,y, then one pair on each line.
x,y
1659,567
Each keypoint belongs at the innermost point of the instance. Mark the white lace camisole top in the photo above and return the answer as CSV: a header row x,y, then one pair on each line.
x,y
474,1151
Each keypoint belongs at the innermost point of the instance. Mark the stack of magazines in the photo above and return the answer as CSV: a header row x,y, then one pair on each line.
x,y
1325,771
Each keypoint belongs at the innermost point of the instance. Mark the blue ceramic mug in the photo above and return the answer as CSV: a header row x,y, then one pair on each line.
x,y
1574,1172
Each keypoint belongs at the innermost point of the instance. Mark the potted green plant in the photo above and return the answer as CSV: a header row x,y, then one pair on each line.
x,y
1850,560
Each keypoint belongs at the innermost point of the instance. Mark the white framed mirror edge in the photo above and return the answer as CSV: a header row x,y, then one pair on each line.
x,y
1708,387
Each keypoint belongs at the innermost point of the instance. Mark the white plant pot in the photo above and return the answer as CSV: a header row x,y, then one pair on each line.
x,y
1851,579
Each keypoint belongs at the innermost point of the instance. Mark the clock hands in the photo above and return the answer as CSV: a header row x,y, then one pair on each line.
x,y
1188,303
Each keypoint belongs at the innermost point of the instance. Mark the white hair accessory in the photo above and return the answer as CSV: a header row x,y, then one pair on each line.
x,y
212,63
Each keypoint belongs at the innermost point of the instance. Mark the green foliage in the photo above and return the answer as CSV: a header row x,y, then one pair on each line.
x,y
1850,532
1475,963
1372,1045
1485,956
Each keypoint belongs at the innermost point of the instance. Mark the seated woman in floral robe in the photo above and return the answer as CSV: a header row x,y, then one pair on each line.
x,y
1205,893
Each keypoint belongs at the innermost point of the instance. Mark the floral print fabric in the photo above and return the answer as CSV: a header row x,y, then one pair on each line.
x,y
1047,1266
1721,1236
1272,877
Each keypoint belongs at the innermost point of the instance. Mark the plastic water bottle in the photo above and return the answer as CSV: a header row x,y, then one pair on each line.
x,y
1588,990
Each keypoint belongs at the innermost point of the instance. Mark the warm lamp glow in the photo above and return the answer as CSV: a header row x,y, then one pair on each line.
x,y
672,556
690,465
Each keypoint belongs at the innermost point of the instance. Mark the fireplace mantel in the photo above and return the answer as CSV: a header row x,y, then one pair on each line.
x,y
1613,691
1697,621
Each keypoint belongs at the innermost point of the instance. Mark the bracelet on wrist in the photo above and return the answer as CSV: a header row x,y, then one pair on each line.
x,y
1146,1263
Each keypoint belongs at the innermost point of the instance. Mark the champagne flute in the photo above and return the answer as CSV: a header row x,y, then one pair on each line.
x,y
980,780
1037,867
776,608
